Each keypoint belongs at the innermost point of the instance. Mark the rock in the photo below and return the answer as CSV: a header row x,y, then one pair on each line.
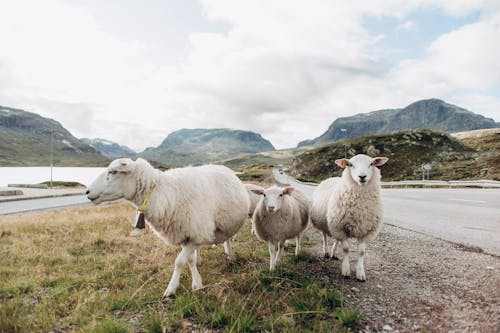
x,y
355,289
387,328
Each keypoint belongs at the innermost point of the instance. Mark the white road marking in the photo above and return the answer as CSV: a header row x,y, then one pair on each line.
x,y
468,200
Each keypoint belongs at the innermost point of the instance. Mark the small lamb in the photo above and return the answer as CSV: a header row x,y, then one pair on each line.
x,y
188,206
281,214
350,207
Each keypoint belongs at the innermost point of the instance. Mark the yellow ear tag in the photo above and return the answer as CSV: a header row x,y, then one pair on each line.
x,y
344,163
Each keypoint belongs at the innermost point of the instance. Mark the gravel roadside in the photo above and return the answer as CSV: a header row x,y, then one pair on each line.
x,y
416,283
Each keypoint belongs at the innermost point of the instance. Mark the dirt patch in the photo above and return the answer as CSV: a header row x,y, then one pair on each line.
x,y
416,283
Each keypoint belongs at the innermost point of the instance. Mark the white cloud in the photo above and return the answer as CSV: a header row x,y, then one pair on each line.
x,y
283,68
407,25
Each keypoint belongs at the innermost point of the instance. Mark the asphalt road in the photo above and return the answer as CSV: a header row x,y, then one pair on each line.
x,y
13,207
470,217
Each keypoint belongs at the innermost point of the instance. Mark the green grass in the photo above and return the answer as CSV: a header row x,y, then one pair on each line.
x,y
77,270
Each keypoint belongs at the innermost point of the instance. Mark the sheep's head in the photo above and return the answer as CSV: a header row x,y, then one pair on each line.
x,y
114,183
273,197
361,167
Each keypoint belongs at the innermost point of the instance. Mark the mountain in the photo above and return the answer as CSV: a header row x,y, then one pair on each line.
x,y
26,139
198,146
433,114
109,149
451,159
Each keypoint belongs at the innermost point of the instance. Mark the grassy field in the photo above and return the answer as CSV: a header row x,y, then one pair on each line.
x,y
78,270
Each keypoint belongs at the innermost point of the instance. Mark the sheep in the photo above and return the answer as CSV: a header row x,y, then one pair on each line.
x,y
318,214
350,207
281,214
254,200
254,197
188,206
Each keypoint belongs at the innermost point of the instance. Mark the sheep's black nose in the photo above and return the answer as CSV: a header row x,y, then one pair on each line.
x,y
87,192
362,178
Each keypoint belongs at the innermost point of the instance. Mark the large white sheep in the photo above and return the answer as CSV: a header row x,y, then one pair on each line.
x,y
351,207
281,214
186,206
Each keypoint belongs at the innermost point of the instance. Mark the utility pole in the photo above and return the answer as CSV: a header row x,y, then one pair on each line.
x,y
51,158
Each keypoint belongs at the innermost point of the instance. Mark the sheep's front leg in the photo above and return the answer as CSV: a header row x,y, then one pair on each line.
x,y
196,277
281,250
228,250
272,255
182,258
333,251
297,245
360,267
346,268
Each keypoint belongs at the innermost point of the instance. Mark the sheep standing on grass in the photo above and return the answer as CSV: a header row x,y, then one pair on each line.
x,y
281,214
351,207
254,199
186,206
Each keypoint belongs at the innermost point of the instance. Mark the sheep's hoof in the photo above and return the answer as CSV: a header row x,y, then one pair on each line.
x,y
168,294
326,255
196,287
347,277
335,258
361,276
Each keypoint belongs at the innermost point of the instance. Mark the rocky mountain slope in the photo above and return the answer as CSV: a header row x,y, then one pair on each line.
x,y
197,146
451,159
26,139
433,114
108,148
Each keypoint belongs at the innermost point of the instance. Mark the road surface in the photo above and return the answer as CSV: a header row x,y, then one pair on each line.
x,y
470,217
12,207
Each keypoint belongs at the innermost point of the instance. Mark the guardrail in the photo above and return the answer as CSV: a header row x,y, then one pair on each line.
x,y
481,183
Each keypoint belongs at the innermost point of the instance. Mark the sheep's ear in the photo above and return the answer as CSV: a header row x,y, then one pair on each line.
x,y
379,161
122,166
343,162
288,190
258,192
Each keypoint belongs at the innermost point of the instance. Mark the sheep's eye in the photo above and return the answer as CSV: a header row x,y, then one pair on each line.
x,y
281,194
264,195
112,172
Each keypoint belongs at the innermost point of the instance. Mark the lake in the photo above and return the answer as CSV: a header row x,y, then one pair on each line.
x,y
35,175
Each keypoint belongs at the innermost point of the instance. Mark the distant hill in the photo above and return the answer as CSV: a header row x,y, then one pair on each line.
x,y
109,149
451,159
25,140
433,114
198,146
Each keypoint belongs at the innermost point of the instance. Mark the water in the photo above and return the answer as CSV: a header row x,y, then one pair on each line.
x,y
35,175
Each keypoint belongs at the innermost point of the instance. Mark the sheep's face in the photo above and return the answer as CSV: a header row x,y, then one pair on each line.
x,y
272,198
114,183
361,167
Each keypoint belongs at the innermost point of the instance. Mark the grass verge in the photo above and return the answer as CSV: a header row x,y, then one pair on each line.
x,y
78,270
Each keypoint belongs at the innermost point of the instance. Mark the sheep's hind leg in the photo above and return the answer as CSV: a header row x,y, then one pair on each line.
x,y
272,255
196,277
360,267
181,260
281,251
325,245
346,268
333,251
297,245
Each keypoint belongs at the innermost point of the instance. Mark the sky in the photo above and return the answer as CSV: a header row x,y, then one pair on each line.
x,y
133,71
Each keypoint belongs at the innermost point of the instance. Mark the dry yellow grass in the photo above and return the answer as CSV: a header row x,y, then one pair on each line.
x,y
78,270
